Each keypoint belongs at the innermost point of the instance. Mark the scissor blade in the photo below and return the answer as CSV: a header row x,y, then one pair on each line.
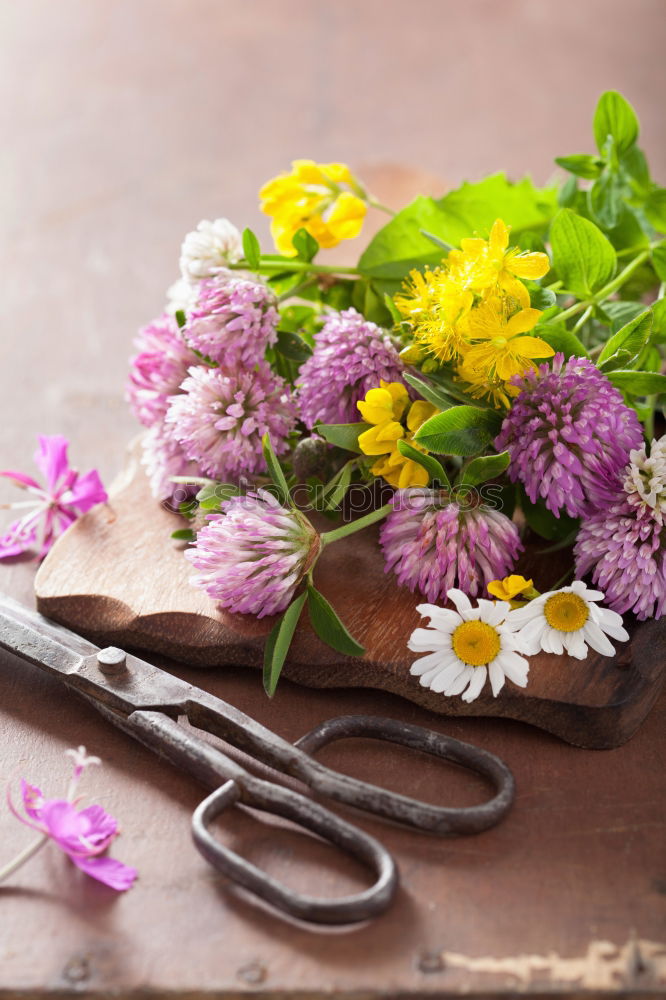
x,y
33,637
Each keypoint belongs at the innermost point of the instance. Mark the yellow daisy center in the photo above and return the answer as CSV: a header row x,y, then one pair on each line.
x,y
566,612
475,643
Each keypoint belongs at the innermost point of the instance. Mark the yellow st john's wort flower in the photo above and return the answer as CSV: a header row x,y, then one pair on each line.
x,y
435,304
493,265
324,198
499,347
384,408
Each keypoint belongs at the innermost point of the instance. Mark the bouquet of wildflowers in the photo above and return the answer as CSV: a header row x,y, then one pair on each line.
x,y
490,366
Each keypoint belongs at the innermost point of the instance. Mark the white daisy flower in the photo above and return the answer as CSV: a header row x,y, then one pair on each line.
x,y
569,619
466,646
209,249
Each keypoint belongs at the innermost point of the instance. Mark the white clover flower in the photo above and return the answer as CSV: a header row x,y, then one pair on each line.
x,y
467,646
209,249
181,297
646,475
569,619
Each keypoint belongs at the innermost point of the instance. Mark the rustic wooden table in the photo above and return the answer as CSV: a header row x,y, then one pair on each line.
x,y
126,123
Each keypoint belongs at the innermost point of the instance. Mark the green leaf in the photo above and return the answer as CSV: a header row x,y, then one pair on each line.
x,y
343,435
400,245
462,430
474,208
659,260
540,297
305,245
632,337
291,346
339,491
659,321
181,318
620,359
480,470
655,209
606,200
275,469
636,168
614,116
621,312
328,626
278,643
561,339
582,256
211,497
184,535
251,249
434,469
639,383
435,396
581,164
543,522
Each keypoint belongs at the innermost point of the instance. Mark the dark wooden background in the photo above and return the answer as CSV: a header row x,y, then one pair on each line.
x,y
123,124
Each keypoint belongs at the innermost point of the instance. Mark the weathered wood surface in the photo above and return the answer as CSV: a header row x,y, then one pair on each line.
x,y
119,578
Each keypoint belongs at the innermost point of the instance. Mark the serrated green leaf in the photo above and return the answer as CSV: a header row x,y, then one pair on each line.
x,y
305,245
275,470
614,116
328,626
480,470
434,469
632,337
581,164
621,312
435,396
582,256
278,643
291,346
462,430
620,359
343,435
251,249
638,383
561,339
655,209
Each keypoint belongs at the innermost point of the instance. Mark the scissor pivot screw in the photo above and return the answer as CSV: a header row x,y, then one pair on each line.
x,y
112,660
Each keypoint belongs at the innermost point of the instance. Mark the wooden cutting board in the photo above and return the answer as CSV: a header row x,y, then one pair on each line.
x,y
118,578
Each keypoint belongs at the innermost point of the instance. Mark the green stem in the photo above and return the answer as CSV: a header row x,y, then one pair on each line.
x,y
604,292
649,420
353,526
382,208
294,292
293,265
582,320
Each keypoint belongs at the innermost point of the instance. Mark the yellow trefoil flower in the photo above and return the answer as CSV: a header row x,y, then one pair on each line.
x,y
512,587
384,408
491,265
323,198
499,347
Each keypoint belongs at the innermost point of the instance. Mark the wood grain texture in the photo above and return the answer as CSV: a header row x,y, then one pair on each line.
x,y
119,578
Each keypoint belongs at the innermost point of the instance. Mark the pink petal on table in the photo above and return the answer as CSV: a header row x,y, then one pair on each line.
x,y
21,478
109,871
51,458
100,825
86,492
12,546
64,824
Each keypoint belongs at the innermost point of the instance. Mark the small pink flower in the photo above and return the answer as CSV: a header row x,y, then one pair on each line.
x,y
55,506
82,834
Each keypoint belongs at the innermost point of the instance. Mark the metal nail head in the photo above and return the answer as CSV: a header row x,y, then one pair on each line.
x,y
112,660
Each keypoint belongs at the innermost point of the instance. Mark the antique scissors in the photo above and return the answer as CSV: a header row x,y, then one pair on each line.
x,y
147,703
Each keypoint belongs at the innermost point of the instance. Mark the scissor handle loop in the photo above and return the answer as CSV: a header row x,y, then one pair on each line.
x,y
402,808
277,799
